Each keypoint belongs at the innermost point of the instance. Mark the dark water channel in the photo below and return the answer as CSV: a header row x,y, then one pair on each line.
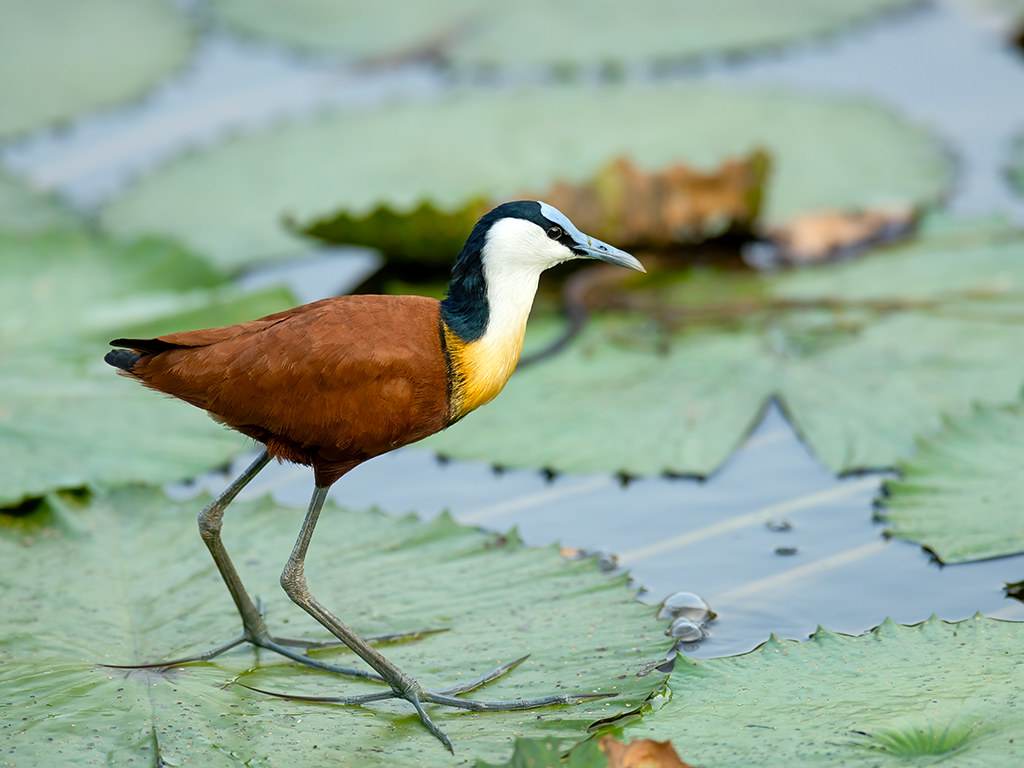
x,y
719,538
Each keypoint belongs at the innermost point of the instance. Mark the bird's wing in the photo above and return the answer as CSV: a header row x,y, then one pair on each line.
x,y
347,377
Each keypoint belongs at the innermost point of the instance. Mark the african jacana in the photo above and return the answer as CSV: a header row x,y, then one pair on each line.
x,y
336,382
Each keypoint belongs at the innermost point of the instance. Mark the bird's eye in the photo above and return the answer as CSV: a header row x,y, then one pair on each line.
x,y
555,233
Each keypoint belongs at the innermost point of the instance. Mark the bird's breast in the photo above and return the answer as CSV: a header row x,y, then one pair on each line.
x,y
478,370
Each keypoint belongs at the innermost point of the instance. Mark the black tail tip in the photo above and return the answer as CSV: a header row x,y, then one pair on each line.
x,y
124,359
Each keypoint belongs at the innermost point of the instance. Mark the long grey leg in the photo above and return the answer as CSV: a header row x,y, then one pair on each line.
x,y
211,520
293,580
254,629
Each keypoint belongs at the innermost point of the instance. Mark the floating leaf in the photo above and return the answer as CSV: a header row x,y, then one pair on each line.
x,y
608,753
672,206
230,201
23,209
426,235
61,57
864,356
821,235
896,696
642,753
1011,12
547,753
124,578
622,204
1016,171
66,418
960,495
573,33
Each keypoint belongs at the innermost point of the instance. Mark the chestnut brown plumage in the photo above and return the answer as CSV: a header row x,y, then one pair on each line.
x,y
357,398
339,381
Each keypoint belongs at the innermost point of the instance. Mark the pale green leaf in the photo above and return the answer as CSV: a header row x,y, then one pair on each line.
x,y
59,58
547,753
124,578
230,201
864,357
66,418
934,693
960,496
532,32
1016,170
23,209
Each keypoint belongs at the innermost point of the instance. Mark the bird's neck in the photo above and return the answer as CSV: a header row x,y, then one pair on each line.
x,y
484,322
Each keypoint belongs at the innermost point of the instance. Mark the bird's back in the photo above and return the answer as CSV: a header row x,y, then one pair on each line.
x,y
331,384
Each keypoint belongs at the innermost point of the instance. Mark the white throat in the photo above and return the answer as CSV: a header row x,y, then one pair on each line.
x,y
517,251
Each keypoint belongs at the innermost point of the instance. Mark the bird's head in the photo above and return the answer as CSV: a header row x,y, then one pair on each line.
x,y
496,274
532,235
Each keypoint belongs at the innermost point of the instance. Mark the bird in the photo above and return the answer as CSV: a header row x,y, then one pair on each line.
x,y
336,382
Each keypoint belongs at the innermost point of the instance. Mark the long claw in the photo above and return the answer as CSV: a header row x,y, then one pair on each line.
x,y
205,656
441,736
365,698
323,666
381,639
368,698
472,685
271,645
512,706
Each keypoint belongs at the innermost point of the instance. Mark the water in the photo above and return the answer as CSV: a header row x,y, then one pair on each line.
x,y
722,538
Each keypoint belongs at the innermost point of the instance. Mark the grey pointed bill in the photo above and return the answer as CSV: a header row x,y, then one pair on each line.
x,y
593,248
587,246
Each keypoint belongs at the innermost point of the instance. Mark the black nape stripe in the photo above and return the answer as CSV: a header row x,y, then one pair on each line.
x,y
465,309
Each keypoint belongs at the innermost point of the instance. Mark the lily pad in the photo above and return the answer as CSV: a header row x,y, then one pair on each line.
x,y
547,753
532,32
1016,171
622,204
123,578
23,209
59,58
960,495
66,418
864,357
230,201
898,695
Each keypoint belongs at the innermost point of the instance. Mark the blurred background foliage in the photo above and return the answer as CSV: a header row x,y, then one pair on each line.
x,y
161,161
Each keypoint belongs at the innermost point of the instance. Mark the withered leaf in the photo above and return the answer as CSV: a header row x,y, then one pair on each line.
x,y
622,204
659,210
642,753
820,235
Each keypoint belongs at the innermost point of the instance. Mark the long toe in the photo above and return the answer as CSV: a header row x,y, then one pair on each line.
x,y
431,726
514,704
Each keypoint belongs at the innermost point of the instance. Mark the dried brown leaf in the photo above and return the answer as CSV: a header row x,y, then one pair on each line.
x,y
642,753
678,205
820,235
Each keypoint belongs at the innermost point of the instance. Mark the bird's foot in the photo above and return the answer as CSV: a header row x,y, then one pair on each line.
x,y
259,637
409,690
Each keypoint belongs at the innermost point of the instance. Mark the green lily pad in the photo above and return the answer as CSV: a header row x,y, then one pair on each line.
x,y
864,357
123,578
230,201
933,693
532,32
547,753
66,418
1010,10
23,209
960,495
1016,171
59,58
